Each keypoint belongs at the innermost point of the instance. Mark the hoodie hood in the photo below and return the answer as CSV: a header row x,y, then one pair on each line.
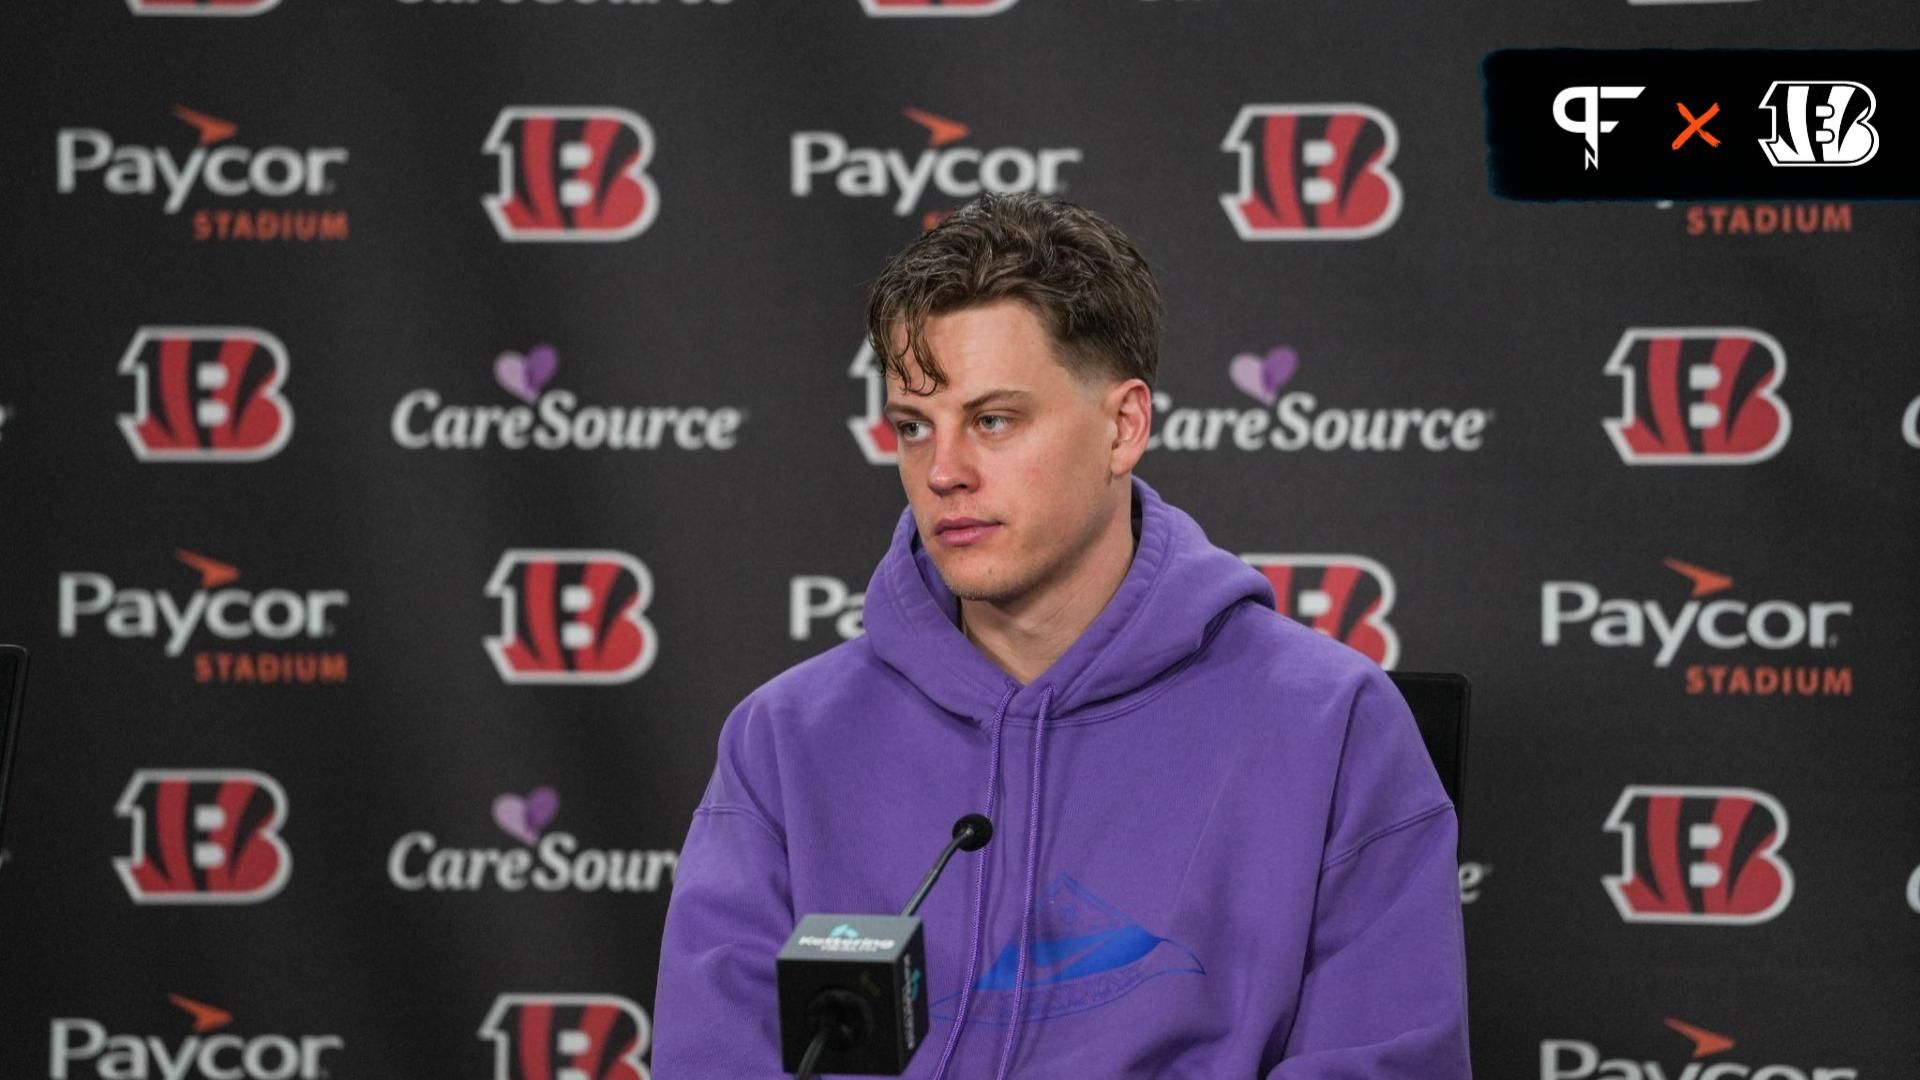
x,y
1175,592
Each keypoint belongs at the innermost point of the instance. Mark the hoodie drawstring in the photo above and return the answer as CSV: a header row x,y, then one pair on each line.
x,y
1033,863
979,891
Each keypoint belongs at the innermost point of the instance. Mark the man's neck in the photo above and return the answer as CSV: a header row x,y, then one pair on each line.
x,y
1026,641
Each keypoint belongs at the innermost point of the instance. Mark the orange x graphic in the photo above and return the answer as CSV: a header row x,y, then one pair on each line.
x,y
1698,124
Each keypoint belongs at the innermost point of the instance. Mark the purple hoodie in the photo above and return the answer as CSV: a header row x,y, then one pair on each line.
x,y
1217,834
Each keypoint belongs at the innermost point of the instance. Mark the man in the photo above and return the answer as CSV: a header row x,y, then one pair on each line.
x,y
1220,848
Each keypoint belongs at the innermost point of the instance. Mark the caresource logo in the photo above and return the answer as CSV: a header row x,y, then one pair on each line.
x,y
571,173
80,1049
208,394
202,7
216,167
1699,855
572,617
204,836
568,1037
544,861
1313,172
1699,396
231,614
957,172
1724,624
1345,597
1299,421
1577,1059
911,8
554,419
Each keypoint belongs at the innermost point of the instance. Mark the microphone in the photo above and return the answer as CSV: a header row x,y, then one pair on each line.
x,y
852,987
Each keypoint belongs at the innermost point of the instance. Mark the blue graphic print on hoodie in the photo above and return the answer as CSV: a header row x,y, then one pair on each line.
x,y
1217,835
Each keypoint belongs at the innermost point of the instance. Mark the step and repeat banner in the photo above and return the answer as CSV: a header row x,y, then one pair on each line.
x,y
424,421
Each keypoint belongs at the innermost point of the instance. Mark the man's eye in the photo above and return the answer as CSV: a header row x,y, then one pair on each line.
x,y
1009,420
902,427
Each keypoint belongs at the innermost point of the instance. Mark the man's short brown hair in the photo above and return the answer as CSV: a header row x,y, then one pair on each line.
x,y
1076,269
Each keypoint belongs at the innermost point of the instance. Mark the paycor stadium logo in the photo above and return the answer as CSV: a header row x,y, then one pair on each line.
x,y
1578,1059
1706,620
231,633
82,1048
233,189
949,165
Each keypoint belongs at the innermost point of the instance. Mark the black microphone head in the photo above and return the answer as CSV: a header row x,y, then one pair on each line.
x,y
980,828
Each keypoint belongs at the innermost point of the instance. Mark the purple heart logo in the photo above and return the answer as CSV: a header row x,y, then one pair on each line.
x,y
1263,377
523,376
525,819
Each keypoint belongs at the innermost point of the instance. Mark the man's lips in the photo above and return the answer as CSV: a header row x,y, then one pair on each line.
x,y
961,531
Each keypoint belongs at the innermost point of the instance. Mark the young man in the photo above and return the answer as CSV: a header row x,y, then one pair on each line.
x,y
1220,849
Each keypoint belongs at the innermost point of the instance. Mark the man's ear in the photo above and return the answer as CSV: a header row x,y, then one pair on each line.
x,y
1129,407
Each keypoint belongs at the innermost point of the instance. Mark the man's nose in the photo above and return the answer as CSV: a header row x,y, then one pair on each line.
x,y
952,465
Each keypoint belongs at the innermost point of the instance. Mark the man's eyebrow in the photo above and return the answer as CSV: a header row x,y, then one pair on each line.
x,y
895,408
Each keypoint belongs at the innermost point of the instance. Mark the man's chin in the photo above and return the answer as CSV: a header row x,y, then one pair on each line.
x,y
968,583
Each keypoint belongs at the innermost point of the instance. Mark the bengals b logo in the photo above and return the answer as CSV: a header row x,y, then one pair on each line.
x,y
201,7
571,173
1313,172
206,393
873,431
571,617
204,836
1699,396
1699,855
936,7
567,1037
1345,597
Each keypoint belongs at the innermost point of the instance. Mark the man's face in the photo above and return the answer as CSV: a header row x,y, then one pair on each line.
x,y
1012,442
